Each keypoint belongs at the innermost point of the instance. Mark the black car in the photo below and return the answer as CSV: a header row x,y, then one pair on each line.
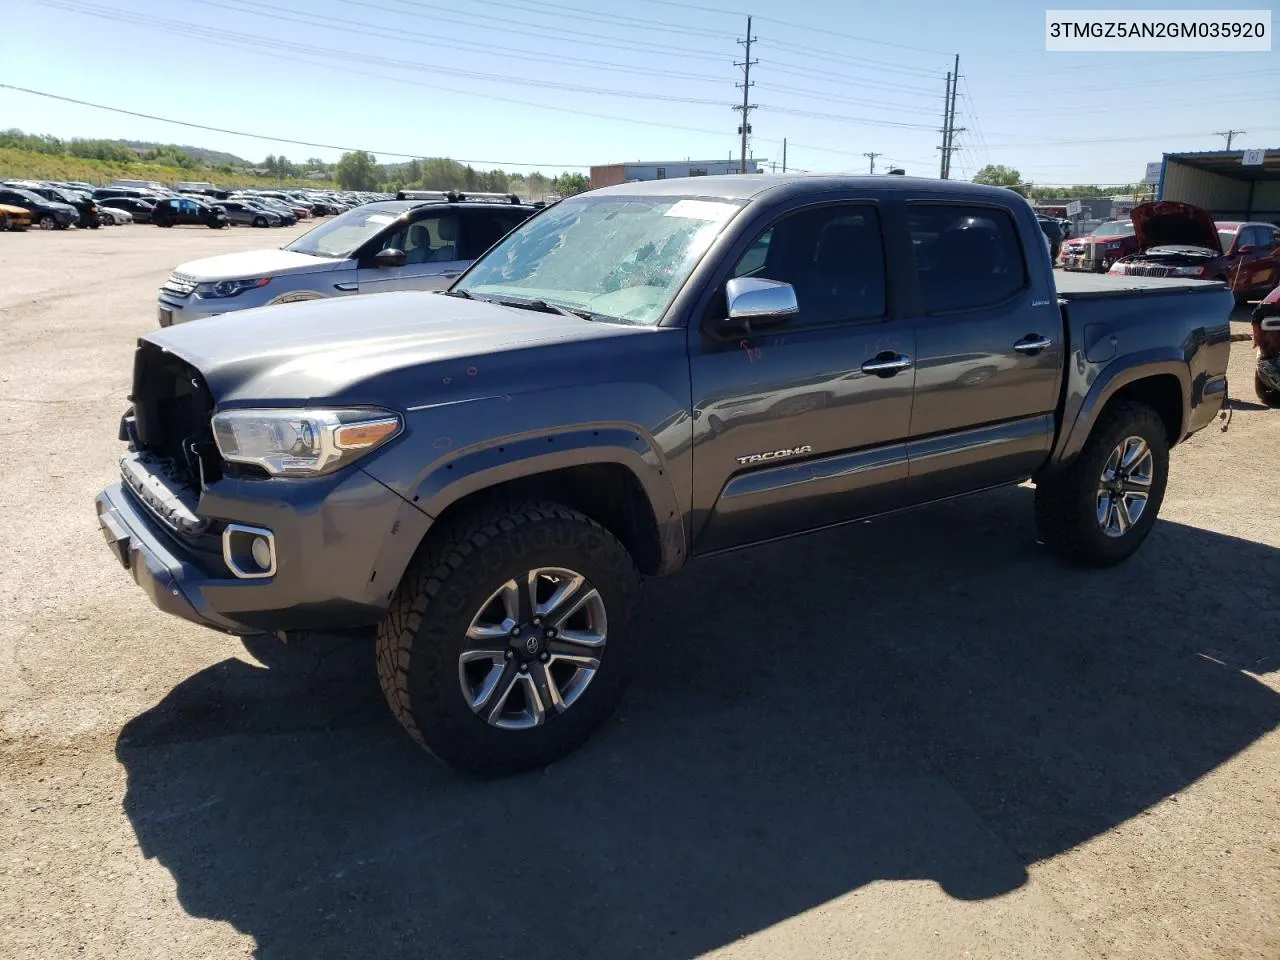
x,y
179,210
1053,231
141,209
86,207
46,214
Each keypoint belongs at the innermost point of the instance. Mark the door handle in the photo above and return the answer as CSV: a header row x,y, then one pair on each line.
x,y
886,365
346,287
1032,343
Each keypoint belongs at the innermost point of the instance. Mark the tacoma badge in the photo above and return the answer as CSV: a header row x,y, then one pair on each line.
x,y
776,454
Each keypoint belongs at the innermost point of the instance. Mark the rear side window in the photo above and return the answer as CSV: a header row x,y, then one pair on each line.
x,y
967,257
486,227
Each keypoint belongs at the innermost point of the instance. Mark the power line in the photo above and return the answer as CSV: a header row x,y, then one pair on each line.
x,y
1230,135
273,139
744,130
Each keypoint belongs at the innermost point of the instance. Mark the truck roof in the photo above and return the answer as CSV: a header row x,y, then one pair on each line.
x,y
749,186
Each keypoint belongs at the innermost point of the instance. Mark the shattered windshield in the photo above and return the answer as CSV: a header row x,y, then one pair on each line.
x,y
619,258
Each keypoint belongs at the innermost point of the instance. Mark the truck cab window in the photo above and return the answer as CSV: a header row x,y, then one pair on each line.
x,y
832,256
966,256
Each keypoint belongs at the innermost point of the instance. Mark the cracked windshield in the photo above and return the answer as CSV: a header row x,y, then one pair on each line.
x,y
618,258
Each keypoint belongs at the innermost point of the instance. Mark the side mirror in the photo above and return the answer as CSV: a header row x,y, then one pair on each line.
x,y
390,257
755,305
1247,249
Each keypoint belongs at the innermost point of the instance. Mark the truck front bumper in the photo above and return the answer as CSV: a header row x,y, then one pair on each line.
x,y
341,545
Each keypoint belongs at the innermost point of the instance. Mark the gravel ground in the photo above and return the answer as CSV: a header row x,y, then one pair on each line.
x,y
917,738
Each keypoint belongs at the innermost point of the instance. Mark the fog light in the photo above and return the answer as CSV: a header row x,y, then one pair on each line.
x,y
261,551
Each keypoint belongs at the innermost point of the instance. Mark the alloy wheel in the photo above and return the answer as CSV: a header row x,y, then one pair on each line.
x,y
533,648
1124,487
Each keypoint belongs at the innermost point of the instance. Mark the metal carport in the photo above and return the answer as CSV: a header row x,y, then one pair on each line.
x,y
1223,184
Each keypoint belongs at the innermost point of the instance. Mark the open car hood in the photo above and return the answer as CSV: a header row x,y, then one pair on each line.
x,y
1165,223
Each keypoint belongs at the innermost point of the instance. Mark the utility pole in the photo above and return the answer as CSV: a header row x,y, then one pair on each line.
x,y
949,128
1230,135
747,106
871,155
784,154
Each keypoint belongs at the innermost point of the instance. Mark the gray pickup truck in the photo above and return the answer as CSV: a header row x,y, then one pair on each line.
x,y
633,378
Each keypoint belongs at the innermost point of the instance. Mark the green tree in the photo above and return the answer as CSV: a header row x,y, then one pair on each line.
x,y
998,175
357,171
568,184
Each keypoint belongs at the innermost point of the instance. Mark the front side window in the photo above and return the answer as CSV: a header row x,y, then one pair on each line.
x,y
342,236
428,240
833,257
617,257
966,256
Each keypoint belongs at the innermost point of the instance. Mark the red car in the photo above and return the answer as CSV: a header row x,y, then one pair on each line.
x,y
1101,247
1181,240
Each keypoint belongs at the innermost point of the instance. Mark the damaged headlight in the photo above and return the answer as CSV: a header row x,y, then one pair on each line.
x,y
1186,271
303,442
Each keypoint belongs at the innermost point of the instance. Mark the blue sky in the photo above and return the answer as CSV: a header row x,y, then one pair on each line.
x,y
552,84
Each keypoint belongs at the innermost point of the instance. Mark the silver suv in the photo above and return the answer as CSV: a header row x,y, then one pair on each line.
x,y
390,245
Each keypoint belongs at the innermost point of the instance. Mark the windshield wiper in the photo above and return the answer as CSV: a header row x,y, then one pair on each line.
x,y
543,307
456,293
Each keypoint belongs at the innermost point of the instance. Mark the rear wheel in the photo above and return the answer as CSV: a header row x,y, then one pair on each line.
x,y
508,642
259,221
1268,396
47,221
1101,508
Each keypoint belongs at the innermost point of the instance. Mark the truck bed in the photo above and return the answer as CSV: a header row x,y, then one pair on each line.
x,y
1092,286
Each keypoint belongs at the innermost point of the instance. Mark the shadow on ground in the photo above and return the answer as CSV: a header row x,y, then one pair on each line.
x,y
924,697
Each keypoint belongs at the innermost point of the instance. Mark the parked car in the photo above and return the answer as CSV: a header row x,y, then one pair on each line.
x,y
486,474
1266,349
188,210
139,209
113,216
241,212
85,206
1098,249
47,214
1181,240
1052,230
397,245
13,217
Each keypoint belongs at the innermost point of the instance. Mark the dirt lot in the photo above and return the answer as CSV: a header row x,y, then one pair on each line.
x,y
916,738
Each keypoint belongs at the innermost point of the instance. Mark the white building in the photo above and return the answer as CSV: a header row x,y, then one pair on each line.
x,y
611,174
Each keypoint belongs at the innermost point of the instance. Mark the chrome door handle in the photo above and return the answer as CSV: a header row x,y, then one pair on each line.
x,y
885,366
1032,344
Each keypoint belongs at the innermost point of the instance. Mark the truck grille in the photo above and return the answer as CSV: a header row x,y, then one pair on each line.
x,y
180,285
1148,270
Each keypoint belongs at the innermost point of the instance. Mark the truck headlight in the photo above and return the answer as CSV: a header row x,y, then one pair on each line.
x,y
1186,271
306,442
229,288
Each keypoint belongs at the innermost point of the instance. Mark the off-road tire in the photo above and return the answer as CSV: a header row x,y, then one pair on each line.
x,y
1268,396
1066,505
458,567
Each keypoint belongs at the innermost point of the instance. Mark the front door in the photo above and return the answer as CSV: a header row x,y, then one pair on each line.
x,y
807,426
989,353
433,256
1258,271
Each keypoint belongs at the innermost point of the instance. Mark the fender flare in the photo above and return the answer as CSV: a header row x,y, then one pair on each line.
x,y
483,466
1118,375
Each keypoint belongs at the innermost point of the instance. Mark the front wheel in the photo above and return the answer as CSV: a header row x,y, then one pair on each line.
x,y
508,642
47,221
4,223
259,221
1101,508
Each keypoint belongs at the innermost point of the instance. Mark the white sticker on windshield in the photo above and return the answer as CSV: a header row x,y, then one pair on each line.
x,y
711,210
378,218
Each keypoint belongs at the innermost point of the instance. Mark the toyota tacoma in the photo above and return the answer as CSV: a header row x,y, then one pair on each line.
x,y
633,378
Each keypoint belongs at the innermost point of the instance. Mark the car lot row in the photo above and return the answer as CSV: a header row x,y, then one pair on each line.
x,y
62,204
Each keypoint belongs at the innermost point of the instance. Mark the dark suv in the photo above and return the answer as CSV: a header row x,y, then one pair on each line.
x,y
86,208
180,210
47,214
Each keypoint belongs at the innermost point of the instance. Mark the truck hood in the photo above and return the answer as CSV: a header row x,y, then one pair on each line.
x,y
387,348
1170,223
256,263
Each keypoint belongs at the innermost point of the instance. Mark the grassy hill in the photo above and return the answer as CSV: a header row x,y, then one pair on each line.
x,y
26,164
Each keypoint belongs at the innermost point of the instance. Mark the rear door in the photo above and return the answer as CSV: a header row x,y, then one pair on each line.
x,y
988,354
433,255
796,430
